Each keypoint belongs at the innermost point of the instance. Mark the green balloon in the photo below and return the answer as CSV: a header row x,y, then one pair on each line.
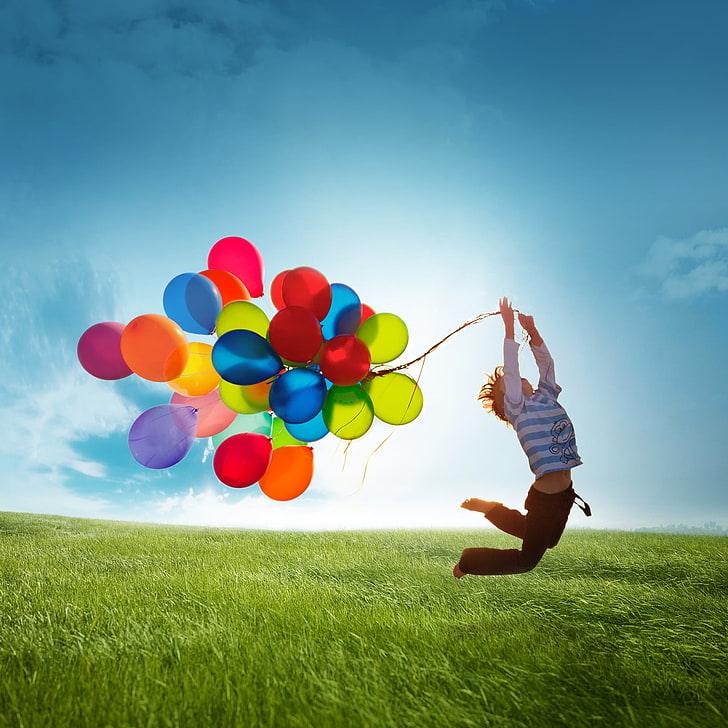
x,y
259,423
247,399
281,436
348,411
242,315
386,336
397,398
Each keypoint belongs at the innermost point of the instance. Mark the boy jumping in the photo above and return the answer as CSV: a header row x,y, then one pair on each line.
x,y
547,437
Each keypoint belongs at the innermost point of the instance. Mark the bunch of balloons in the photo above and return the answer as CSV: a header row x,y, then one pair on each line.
x,y
264,388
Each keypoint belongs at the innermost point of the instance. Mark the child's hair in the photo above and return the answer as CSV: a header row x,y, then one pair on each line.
x,y
487,396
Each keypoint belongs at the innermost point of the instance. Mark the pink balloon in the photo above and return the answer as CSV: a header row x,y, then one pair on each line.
x,y
242,459
99,351
213,415
241,258
308,288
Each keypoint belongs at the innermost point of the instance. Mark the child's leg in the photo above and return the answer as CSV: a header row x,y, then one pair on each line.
x,y
543,525
505,519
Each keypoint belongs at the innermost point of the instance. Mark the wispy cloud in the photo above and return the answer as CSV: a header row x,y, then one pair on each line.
x,y
689,267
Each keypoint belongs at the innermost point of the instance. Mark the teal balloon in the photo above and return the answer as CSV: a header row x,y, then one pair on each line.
x,y
259,423
314,429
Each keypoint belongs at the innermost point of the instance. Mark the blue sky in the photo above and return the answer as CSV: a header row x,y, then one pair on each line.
x,y
433,156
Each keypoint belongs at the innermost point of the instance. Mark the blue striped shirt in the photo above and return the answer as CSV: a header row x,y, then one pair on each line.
x,y
543,428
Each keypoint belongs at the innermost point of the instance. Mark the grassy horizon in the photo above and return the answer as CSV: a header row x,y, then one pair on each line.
x,y
107,623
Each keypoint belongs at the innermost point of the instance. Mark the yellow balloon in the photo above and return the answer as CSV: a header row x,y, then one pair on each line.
x,y
396,397
199,376
246,399
242,315
386,336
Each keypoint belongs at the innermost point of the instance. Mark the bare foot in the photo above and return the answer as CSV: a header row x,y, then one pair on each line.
x,y
478,505
457,573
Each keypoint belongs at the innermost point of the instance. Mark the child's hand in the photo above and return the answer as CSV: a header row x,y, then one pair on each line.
x,y
526,322
506,309
506,312
531,330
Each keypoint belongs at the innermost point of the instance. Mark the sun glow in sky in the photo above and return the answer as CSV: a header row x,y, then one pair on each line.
x,y
432,155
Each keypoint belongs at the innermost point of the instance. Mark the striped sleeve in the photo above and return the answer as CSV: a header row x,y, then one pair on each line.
x,y
514,399
547,379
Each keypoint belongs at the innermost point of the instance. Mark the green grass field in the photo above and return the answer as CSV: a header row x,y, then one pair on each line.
x,y
121,624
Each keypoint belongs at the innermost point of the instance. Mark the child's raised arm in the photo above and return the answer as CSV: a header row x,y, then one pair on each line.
x,y
544,361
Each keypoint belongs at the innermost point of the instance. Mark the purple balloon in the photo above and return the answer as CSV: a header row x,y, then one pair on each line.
x,y
161,436
99,351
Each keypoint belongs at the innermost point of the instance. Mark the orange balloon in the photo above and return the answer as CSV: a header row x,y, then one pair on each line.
x,y
199,376
289,473
154,347
230,286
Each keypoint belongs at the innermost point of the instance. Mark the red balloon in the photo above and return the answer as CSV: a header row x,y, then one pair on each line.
x,y
345,360
295,334
366,312
231,287
309,289
241,258
242,459
99,351
276,290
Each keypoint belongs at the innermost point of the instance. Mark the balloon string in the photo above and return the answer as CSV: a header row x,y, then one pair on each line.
x,y
389,370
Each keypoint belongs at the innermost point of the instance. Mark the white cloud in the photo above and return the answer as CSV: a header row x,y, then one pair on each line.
x,y
690,266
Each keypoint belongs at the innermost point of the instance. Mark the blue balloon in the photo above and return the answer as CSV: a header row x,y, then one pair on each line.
x,y
298,395
309,431
344,316
194,302
243,357
161,436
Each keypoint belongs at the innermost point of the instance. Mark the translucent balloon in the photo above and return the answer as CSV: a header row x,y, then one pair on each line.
x,y
366,312
276,290
231,288
386,336
244,357
314,429
309,289
242,315
348,412
260,423
99,351
161,436
241,258
242,460
154,347
212,414
396,397
248,399
281,435
199,376
344,360
295,334
298,395
193,301
344,316
289,474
